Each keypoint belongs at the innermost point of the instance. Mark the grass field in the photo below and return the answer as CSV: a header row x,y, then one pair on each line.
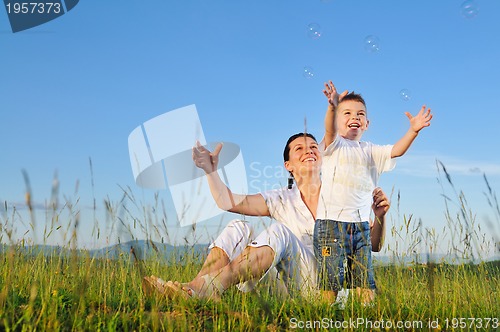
x,y
73,291
51,292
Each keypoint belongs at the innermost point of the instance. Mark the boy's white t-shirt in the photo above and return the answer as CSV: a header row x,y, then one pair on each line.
x,y
349,174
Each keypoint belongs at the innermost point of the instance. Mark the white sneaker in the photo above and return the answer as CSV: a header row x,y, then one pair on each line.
x,y
342,297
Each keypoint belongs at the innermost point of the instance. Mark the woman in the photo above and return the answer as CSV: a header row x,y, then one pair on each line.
x,y
238,257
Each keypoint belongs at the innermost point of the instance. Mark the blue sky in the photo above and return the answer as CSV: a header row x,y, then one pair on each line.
x,y
74,88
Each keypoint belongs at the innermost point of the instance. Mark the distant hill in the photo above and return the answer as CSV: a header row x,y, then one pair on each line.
x,y
424,258
143,249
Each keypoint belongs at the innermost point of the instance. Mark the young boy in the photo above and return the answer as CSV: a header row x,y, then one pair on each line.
x,y
350,172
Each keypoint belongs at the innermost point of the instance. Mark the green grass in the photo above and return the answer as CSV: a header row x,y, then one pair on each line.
x,y
75,292
56,293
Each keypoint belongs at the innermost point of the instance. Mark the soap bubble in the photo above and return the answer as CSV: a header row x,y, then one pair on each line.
x,y
405,94
470,9
308,72
314,31
372,44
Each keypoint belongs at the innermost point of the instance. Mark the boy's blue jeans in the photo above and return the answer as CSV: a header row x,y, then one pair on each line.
x,y
336,243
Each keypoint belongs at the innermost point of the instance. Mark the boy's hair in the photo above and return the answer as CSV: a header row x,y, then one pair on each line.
x,y
353,96
286,152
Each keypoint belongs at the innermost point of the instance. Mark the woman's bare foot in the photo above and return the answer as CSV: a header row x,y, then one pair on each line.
x,y
205,287
155,285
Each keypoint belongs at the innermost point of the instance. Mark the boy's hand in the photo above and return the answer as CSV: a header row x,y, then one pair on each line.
x,y
331,93
421,120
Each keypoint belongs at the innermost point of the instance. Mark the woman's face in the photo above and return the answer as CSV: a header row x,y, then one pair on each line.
x,y
305,157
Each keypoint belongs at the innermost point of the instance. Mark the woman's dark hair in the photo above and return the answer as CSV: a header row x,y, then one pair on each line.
x,y
286,152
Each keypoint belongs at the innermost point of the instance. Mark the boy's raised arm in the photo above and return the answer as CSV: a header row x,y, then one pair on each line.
x,y
417,123
330,117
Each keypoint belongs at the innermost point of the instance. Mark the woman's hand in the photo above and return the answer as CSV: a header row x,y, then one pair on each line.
x,y
204,159
380,203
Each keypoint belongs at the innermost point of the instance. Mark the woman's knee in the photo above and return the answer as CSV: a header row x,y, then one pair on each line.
x,y
234,238
240,226
260,251
277,237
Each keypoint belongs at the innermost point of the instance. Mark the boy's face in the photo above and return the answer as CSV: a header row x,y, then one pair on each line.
x,y
351,120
